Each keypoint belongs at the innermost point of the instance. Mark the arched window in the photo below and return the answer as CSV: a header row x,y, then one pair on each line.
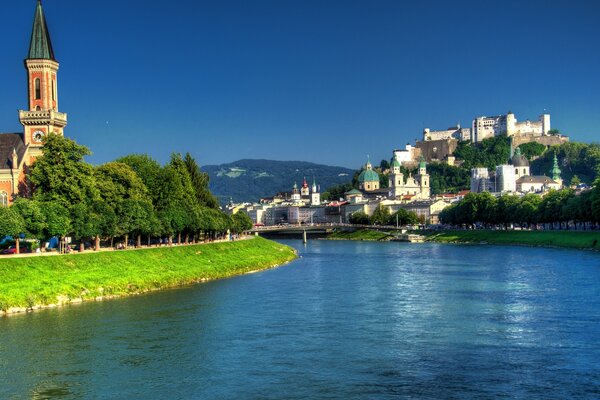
x,y
517,171
38,89
53,90
3,199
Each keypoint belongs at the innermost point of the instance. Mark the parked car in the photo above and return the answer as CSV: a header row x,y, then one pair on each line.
x,y
11,250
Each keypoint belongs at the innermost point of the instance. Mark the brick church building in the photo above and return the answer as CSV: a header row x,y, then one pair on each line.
x,y
19,150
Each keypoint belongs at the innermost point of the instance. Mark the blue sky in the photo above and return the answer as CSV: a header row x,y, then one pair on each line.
x,y
322,81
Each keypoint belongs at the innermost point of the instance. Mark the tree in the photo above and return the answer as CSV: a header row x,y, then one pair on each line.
x,y
32,215
241,222
148,170
403,217
384,164
11,224
200,181
381,215
125,192
360,218
58,220
532,150
575,181
61,175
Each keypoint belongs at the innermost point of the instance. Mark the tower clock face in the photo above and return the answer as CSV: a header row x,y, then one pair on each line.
x,y
38,136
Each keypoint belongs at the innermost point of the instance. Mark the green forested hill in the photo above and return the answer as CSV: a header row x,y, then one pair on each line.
x,y
249,180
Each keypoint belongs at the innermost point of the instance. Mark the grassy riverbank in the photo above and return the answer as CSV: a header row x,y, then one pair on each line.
x,y
40,281
361,234
568,239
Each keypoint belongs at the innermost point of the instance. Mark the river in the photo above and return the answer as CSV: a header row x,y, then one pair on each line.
x,y
348,320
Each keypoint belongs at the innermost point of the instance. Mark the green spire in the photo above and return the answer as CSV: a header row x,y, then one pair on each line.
x,y
422,163
555,170
40,46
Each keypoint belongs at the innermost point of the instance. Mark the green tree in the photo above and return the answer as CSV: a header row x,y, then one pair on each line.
x,y
532,149
241,222
32,215
381,215
360,218
200,181
403,217
58,220
61,175
148,170
11,224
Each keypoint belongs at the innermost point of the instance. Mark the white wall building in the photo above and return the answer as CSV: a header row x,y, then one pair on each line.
x,y
506,180
407,155
507,125
451,133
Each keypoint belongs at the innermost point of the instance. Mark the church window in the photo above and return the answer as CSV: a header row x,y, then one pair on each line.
x,y
3,199
53,90
38,89
517,171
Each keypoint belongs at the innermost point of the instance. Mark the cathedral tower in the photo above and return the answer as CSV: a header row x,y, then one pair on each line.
x,y
42,69
423,179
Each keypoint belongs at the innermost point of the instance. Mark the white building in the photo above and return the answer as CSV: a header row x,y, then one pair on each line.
x,y
406,156
456,132
480,180
507,125
506,180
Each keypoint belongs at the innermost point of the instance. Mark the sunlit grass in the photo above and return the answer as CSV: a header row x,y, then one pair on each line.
x,y
361,234
25,282
570,239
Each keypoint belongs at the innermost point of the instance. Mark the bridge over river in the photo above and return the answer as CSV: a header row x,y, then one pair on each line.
x,y
318,229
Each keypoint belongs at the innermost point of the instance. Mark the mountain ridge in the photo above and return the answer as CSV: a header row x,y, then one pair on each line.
x,y
248,180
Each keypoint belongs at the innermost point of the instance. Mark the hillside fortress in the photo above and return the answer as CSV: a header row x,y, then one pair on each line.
x,y
440,145
19,150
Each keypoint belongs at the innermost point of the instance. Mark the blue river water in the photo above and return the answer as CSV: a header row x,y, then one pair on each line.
x,y
348,320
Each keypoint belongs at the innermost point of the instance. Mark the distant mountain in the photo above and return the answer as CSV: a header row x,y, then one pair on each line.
x,y
249,180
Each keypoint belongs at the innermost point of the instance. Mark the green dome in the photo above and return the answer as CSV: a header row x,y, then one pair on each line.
x,y
368,176
395,163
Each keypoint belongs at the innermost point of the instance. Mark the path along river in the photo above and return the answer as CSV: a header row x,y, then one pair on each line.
x,y
349,320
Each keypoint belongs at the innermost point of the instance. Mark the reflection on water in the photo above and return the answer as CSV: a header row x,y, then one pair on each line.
x,y
348,320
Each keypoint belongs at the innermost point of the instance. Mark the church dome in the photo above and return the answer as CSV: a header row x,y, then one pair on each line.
x,y
395,163
519,160
368,176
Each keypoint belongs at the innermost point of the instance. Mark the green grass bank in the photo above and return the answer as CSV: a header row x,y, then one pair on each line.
x,y
36,282
567,239
360,234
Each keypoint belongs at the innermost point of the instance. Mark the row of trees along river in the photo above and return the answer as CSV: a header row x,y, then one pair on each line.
x,y
131,197
557,209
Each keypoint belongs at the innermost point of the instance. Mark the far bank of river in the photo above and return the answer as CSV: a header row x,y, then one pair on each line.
x,y
39,282
558,238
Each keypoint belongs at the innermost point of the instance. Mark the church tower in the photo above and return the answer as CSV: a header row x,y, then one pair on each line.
x,y
423,179
396,179
315,196
42,69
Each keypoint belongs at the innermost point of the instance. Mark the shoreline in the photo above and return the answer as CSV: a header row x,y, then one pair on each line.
x,y
575,240
276,255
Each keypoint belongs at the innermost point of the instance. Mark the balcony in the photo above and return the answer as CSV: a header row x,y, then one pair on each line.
x,y
49,117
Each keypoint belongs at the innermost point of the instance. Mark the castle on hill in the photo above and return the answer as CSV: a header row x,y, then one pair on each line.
x,y
19,150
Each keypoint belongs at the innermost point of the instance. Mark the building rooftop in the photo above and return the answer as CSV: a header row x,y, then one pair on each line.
x,y
8,143
40,46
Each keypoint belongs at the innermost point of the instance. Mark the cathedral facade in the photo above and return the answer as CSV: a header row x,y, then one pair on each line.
x,y
19,150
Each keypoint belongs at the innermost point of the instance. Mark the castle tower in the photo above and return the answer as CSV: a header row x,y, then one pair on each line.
x,y
315,196
42,69
422,179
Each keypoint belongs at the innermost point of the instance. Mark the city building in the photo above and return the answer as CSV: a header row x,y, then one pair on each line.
x,y
19,150
506,180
